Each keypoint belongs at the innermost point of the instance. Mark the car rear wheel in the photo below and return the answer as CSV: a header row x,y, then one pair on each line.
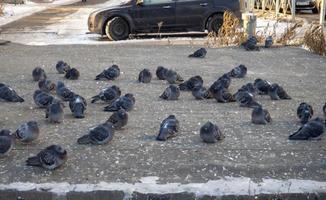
x,y
117,29
214,23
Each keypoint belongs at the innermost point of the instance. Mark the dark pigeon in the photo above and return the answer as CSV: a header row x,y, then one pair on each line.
x,y
304,112
72,74
54,112
200,53
246,99
38,74
108,95
49,158
145,76
8,94
161,72
171,93
262,86
42,99
260,116
195,81
78,106
222,82
28,132
238,72
312,129
222,95
324,110
125,102
173,77
269,42
251,44
210,133
98,135
6,142
62,67
46,85
119,119
200,93
63,92
276,92
249,87
110,73
168,128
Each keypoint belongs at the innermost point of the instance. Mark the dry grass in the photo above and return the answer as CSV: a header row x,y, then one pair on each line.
x,y
1,8
315,40
289,34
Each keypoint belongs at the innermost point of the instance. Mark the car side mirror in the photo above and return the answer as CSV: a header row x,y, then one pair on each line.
x,y
139,2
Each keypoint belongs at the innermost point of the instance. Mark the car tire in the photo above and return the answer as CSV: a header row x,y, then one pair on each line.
x,y
315,10
214,23
117,29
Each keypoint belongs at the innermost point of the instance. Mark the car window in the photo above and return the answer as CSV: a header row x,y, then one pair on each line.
x,y
153,2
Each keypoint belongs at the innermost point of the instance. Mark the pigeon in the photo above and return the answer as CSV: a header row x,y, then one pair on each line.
x,y
63,92
210,133
238,72
78,106
168,128
161,72
171,93
312,129
125,102
260,116
46,85
72,74
173,77
246,99
222,82
200,93
145,76
107,95
54,112
251,44
100,134
38,74
6,142
305,112
62,67
222,95
42,99
8,94
119,119
324,110
262,86
269,42
276,92
249,87
195,81
200,53
110,73
52,157
28,132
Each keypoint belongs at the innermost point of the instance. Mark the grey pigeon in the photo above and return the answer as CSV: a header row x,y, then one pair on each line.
x,y
63,92
110,73
6,142
78,106
171,93
200,53
210,133
28,132
119,119
161,72
195,81
8,94
238,72
107,95
304,112
72,74
262,86
269,42
168,128
222,95
38,74
145,76
312,129
200,93
251,44
42,99
62,67
249,87
260,116
324,110
54,112
246,99
125,102
276,92
46,85
173,77
222,82
49,158
100,134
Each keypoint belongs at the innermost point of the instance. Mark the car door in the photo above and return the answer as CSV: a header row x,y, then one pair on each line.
x,y
190,14
151,13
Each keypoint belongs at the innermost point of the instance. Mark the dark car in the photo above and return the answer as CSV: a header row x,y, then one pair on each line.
x,y
152,16
313,5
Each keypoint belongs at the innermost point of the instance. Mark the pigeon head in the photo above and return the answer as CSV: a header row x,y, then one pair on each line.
x,y
5,132
58,149
1,85
207,126
115,67
37,92
32,124
122,113
130,96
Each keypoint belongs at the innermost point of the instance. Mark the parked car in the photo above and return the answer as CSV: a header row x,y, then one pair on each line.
x,y
150,16
313,5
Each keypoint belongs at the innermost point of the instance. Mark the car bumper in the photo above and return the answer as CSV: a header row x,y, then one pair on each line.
x,y
94,25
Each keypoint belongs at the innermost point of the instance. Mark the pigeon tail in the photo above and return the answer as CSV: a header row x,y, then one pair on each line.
x,y
84,140
19,99
95,98
100,76
33,161
111,108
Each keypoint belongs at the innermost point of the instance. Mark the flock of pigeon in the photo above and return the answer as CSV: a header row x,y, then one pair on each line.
x,y
54,156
